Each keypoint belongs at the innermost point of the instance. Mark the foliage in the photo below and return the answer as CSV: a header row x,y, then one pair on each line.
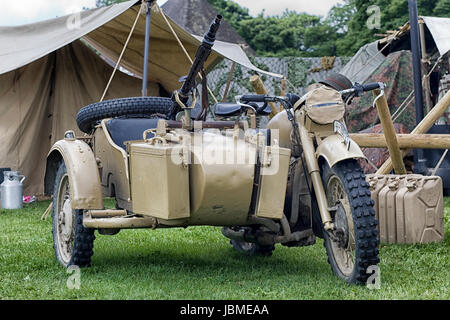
x,y
232,12
341,33
394,14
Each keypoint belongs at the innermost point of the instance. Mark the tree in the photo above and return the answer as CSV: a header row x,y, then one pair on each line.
x,y
394,13
232,12
291,34
442,9
341,33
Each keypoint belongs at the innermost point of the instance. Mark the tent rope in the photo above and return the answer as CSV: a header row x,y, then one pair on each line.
x,y
123,51
410,98
184,49
433,173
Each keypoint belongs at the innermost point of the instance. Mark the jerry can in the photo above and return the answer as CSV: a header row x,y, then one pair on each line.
x,y
409,208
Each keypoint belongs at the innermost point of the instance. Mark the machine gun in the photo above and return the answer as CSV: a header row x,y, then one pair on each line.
x,y
180,97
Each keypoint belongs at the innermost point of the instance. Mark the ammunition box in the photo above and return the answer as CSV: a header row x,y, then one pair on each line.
x,y
159,181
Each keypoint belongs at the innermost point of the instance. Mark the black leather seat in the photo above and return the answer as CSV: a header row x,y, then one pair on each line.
x,y
226,109
232,109
127,129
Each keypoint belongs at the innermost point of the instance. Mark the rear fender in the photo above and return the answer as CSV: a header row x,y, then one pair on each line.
x,y
84,178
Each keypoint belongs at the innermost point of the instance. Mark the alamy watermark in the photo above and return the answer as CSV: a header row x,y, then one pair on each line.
x,y
74,21
229,147
74,280
374,21
374,280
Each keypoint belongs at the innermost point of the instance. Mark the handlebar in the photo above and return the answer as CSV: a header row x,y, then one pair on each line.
x,y
253,98
357,89
371,86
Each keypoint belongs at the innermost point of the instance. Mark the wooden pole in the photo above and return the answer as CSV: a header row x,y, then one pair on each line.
x,y
283,90
426,80
422,127
283,87
259,88
230,77
389,133
405,141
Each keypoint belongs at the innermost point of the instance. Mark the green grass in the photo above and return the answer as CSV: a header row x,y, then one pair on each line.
x,y
199,263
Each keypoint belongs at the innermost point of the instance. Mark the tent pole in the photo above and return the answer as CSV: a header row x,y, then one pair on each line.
x,y
147,47
419,161
426,79
230,78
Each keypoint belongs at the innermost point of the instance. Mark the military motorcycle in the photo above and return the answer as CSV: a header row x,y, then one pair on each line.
x,y
295,180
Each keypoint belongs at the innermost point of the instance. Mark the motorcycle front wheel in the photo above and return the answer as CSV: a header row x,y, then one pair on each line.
x,y
353,246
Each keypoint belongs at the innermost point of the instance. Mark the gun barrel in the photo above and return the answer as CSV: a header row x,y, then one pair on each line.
x,y
210,36
201,56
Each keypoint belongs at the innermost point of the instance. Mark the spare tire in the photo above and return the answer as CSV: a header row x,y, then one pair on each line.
x,y
88,116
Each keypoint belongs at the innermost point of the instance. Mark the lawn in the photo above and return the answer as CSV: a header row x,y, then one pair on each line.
x,y
199,263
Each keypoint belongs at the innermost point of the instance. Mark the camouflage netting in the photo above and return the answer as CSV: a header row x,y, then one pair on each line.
x,y
397,73
444,87
301,72
377,156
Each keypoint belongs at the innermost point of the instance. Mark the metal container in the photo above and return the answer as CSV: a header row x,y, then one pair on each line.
x,y
12,190
409,208
159,186
273,182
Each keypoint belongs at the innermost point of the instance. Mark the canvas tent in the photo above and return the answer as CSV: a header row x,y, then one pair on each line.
x,y
363,63
389,60
396,72
372,55
47,73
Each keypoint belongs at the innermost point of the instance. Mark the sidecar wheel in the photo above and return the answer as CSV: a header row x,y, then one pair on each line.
x,y
72,242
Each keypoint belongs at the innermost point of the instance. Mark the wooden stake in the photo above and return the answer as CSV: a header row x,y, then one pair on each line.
x,y
422,127
283,90
389,133
47,211
259,88
405,141
230,77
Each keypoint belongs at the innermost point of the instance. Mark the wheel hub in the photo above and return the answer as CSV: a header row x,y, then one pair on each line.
x,y
67,225
341,224
342,242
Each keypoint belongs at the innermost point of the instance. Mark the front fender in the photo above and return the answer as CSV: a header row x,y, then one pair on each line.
x,y
84,178
333,150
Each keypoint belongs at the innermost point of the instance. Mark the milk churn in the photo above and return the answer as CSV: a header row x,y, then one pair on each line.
x,y
12,190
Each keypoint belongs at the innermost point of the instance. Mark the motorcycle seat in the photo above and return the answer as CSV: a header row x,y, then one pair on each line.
x,y
232,109
128,129
227,109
